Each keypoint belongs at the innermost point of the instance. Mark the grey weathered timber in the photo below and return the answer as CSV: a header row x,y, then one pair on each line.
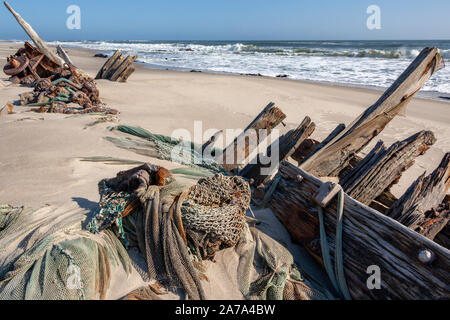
x,y
63,54
287,144
117,68
382,167
329,160
233,156
331,136
369,238
127,73
125,64
101,73
415,208
116,64
41,45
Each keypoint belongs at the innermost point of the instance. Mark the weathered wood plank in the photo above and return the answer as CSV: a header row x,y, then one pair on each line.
x,y
331,136
415,208
268,119
126,74
41,45
382,167
125,64
286,146
369,238
102,72
63,54
329,160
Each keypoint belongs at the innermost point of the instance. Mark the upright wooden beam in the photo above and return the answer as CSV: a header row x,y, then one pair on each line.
x,y
369,239
35,37
63,54
382,167
287,144
268,119
415,208
108,64
336,154
125,64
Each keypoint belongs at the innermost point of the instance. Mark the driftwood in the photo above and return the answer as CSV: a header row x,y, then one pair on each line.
x,y
369,239
382,167
416,209
35,37
298,153
287,144
117,68
383,202
329,160
63,54
268,119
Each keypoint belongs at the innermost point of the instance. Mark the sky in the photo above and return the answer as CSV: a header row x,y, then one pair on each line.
x,y
230,20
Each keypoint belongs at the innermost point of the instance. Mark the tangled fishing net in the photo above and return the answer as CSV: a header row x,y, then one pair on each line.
x,y
175,226
54,259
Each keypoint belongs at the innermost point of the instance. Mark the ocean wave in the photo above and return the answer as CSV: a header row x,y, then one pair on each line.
x,y
346,63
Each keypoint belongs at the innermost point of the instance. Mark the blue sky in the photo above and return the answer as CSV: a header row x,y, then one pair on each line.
x,y
230,19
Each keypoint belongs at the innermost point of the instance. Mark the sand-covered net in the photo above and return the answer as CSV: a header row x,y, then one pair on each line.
x,y
180,231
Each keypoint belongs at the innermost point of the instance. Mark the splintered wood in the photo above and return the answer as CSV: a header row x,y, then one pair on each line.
x,y
117,68
398,237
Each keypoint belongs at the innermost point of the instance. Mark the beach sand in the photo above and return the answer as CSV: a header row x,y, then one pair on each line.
x,y
40,153
39,159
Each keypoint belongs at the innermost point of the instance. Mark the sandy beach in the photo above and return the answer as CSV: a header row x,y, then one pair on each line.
x,y
40,154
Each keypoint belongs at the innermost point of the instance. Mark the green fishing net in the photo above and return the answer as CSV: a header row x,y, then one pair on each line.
x,y
50,258
165,148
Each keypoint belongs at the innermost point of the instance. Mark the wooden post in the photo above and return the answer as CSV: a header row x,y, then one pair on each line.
x,y
108,64
126,74
125,64
35,37
331,136
415,208
268,119
382,167
337,153
369,239
287,145
63,54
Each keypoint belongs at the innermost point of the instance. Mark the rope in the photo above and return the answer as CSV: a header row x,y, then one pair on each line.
x,y
336,275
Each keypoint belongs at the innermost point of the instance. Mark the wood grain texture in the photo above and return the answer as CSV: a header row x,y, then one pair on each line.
x,y
286,146
41,45
382,167
329,160
415,209
369,238
268,119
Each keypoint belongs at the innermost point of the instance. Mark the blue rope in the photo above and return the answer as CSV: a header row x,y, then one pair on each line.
x,y
336,275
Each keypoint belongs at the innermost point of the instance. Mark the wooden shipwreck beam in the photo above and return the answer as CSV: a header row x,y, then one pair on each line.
x,y
268,119
117,68
382,167
369,239
416,208
287,145
329,160
41,45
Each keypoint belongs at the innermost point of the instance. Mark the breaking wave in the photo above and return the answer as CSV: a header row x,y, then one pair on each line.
x,y
355,63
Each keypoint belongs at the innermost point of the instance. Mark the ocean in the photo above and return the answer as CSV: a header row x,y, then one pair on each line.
x,y
373,64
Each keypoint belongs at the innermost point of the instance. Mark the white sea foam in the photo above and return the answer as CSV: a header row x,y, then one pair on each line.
x,y
347,63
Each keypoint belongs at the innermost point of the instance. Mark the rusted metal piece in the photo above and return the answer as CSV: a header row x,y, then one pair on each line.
x,y
28,65
16,65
